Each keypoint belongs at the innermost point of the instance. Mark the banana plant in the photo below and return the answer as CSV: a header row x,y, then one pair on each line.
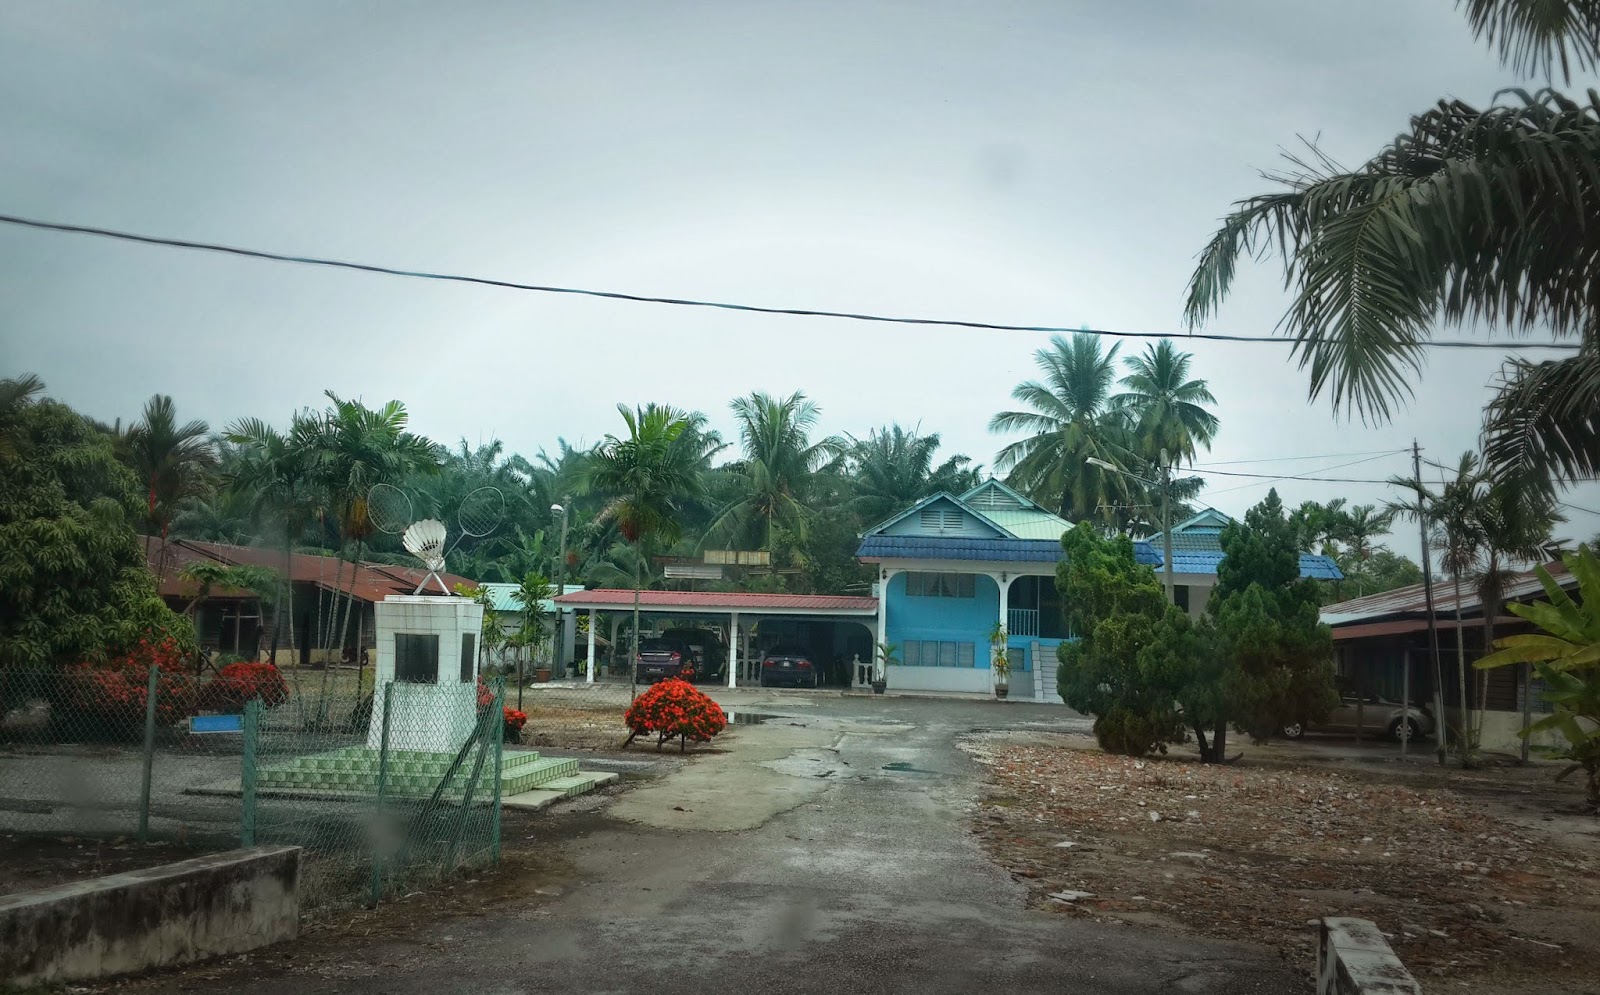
x,y
1566,656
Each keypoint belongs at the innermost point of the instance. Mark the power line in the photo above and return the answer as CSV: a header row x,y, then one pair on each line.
x,y
1287,459
1267,478
281,257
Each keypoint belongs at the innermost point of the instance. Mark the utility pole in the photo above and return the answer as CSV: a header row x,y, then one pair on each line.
x,y
556,642
1166,524
1427,594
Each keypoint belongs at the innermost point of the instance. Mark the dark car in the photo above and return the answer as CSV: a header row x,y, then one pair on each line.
x,y
711,659
789,665
659,659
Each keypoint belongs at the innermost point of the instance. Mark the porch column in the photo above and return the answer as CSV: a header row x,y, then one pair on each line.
x,y
1005,619
733,650
593,622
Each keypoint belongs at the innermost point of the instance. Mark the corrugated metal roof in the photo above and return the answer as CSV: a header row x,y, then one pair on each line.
x,y
1027,523
371,581
877,547
722,601
1412,600
501,597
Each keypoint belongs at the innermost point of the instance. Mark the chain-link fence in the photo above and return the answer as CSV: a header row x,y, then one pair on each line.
x,y
384,791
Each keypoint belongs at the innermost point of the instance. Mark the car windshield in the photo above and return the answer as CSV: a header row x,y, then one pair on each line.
x,y
660,646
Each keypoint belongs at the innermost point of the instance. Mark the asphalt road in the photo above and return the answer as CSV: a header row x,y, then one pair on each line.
x,y
826,851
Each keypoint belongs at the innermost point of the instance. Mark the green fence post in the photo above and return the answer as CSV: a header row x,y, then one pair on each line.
x,y
247,773
377,835
499,752
151,689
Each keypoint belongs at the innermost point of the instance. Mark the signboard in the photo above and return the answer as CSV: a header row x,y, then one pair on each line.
x,y
202,725
740,557
694,571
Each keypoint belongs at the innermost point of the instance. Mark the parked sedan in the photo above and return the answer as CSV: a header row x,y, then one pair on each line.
x,y
788,665
1374,714
659,659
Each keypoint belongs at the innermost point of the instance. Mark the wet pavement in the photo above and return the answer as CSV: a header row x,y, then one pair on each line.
x,y
825,850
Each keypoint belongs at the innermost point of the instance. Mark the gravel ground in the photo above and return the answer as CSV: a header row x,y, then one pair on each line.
x,y
1254,852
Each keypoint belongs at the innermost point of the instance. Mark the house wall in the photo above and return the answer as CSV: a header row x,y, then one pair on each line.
x,y
960,620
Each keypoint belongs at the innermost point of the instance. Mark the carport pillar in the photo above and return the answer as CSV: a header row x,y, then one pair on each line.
x,y
733,649
1003,622
592,623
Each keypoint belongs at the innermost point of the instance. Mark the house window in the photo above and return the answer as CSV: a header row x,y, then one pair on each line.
x,y
416,658
942,520
940,585
935,653
469,655
1180,596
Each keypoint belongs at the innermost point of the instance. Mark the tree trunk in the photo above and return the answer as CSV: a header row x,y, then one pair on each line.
x,y
638,582
1215,751
1461,685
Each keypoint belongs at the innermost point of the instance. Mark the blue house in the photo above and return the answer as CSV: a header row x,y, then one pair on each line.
x,y
951,568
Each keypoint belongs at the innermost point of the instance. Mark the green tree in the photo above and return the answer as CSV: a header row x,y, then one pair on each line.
x,y
1069,419
771,481
1474,217
1269,659
174,463
893,468
74,582
532,591
1167,410
1566,653
645,478
1133,649
1383,570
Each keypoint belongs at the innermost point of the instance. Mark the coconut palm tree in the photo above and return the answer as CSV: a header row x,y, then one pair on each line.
x,y
354,449
892,469
16,393
645,478
1475,216
1458,537
1514,519
769,485
1069,419
1167,410
173,462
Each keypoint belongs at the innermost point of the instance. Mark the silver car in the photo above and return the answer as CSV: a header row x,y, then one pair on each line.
x,y
1376,714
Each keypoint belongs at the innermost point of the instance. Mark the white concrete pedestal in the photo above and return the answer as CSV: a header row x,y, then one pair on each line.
x,y
434,708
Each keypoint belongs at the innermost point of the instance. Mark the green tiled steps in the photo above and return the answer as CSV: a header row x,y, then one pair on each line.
x,y
355,770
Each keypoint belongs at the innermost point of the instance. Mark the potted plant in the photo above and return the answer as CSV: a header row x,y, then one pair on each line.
x,y
887,657
1000,662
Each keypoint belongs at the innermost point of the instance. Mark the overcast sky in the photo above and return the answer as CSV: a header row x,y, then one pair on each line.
x,y
1043,163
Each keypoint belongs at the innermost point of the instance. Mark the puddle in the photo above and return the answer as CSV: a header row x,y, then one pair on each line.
x,y
743,718
902,767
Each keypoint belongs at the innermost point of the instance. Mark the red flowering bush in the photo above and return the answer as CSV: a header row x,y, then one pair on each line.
x,y
675,708
237,683
113,695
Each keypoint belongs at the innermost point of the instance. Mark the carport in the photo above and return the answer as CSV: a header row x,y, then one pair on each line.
x,y
742,610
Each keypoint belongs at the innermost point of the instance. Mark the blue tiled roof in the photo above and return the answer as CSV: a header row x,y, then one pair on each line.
x,y
1049,551
956,548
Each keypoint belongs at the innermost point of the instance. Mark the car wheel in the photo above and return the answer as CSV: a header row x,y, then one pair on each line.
x,y
1405,730
1294,730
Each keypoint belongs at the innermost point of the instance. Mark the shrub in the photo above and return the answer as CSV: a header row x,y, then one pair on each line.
x,y
237,683
111,697
675,708
511,729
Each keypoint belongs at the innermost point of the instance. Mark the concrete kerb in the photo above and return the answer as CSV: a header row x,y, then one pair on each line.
x,y
1353,958
225,903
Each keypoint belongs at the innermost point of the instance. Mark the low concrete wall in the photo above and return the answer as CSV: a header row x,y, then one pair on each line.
x,y
173,914
1353,958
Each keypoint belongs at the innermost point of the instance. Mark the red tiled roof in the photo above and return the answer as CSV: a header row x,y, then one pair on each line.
x,y
713,601
372,581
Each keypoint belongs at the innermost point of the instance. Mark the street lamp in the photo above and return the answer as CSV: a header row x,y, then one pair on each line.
x,y
1166,510
561,588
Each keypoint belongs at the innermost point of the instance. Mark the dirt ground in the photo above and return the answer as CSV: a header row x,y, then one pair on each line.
x,y
32,862
1482,879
